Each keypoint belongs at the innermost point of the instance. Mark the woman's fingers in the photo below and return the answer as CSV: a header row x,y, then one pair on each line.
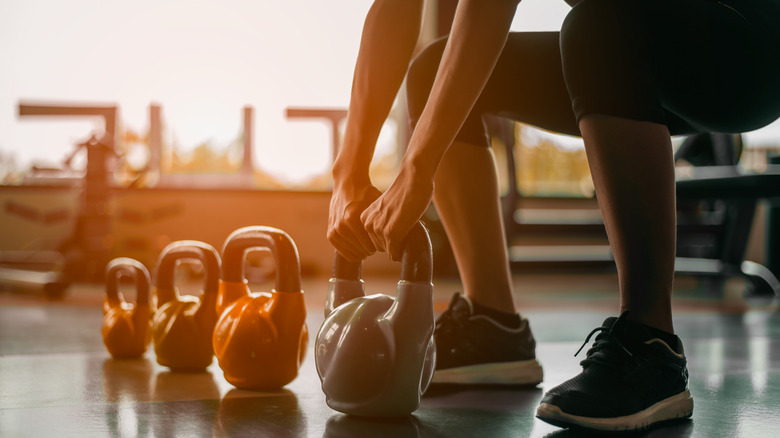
x,y
345,229
396,249
351,241
372,227
389,219
357,231
347,249
386,228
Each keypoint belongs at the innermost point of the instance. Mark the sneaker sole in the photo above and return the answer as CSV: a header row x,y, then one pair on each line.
x,y
524,372
676,407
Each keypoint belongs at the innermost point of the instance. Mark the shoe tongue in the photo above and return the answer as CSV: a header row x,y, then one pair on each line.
x,y
616,326
609,322
628,330
462,305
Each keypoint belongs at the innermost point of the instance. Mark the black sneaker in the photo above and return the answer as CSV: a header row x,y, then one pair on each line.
x,y
476,349
630,380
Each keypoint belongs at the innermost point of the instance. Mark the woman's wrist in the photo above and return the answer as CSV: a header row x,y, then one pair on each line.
x,y
349,173
419,166
350,178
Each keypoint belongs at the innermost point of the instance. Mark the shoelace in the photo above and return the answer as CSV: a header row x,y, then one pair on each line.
x,y
606,340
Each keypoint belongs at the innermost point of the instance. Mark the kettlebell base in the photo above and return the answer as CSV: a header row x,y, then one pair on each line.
x,y
266,386
187,370
127,355
182,366
369,411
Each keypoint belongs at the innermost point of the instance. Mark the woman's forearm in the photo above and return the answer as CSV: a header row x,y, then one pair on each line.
x,y
477,38
389,37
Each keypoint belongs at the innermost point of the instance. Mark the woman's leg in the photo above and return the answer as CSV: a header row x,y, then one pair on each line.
x,y
527,84
637,70
482,339
632,166
467,200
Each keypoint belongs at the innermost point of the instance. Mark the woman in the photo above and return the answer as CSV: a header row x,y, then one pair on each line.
x,y
624,75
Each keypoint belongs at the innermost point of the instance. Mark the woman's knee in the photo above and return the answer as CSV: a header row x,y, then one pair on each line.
x,y
419,79
608,62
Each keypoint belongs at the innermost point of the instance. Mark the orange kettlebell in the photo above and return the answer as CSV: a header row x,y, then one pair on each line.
x,y
127,327
260,339
183,325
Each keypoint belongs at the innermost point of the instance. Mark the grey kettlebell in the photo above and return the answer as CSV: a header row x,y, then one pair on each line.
x,y
375,354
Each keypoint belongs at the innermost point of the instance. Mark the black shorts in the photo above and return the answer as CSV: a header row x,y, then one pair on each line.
x,y
693,65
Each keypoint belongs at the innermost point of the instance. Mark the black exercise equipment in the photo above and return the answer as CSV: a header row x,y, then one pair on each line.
x,y
716,207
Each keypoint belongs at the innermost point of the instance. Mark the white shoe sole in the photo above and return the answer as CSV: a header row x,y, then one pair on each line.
x,y
524,372
673,408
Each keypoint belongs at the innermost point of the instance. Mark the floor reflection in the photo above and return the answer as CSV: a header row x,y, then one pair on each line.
x,y
171,385
127,379
143,402
481,410
734,376
191,418
123,383
678,429
734,363
243,413
347,426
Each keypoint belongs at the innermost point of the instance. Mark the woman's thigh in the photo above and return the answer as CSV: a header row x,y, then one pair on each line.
x,y
526,85
695,65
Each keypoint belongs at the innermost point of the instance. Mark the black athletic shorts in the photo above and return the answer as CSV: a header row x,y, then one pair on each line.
x,y
693,65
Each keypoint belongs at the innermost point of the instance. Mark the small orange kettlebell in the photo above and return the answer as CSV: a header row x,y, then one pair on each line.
x,y
127,327
182,326
260,339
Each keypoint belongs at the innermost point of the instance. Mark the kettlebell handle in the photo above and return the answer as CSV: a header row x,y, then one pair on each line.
x,y
346,270
188,249
288,265
416,261
127,267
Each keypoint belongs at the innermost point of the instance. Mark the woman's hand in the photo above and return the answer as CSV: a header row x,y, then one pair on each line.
x,y
390,218
479,32
389,37
345,230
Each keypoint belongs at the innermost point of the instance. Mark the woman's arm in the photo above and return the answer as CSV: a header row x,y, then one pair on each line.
x,y
477,38
389,37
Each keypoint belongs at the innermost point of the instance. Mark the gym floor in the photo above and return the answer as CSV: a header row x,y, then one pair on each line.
x,y
56,379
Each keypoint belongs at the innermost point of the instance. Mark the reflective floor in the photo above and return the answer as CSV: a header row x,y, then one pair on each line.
x,y
56,379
